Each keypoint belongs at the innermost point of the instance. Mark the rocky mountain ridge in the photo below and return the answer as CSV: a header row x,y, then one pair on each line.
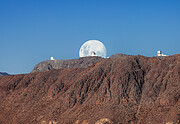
x,y
3,74
119,90
82,62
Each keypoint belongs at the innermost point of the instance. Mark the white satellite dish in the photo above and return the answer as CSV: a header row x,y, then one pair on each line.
x,y
93,48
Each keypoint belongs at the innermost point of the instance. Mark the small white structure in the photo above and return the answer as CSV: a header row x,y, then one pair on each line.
x,y
93,53
52,58
159,53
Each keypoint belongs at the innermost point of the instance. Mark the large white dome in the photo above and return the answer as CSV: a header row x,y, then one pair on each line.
x,y
93,48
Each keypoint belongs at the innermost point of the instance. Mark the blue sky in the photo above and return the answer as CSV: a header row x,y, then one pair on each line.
x,y
32,31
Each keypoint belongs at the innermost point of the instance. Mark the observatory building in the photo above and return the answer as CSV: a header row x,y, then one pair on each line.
x,y
93,53
52,58
93,48
159,53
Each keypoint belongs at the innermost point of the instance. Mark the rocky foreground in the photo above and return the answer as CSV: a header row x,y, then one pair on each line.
x,y
119,90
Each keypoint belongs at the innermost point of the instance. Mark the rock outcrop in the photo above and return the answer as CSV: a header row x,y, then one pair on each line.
x,y
120,90
117,55
82,62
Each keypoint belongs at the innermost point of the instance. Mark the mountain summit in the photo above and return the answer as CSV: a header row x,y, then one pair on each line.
x,y
117,90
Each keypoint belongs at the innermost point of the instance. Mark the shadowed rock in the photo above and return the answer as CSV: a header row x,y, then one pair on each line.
x,y
3,74
82,62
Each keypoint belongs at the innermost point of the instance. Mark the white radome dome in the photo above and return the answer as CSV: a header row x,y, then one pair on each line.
x,y
93,48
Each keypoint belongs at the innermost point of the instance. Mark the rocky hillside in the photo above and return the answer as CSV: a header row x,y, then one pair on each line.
x,y
83,62
119,90
3,74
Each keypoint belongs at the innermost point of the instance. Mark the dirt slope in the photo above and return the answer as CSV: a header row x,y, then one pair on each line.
x,y
120,90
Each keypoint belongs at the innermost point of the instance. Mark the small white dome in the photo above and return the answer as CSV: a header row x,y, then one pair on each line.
x,y
52,58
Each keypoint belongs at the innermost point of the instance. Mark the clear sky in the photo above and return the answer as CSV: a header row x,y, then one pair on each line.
x,y
32,31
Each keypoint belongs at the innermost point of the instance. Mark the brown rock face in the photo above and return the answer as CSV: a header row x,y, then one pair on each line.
x,y
119,90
